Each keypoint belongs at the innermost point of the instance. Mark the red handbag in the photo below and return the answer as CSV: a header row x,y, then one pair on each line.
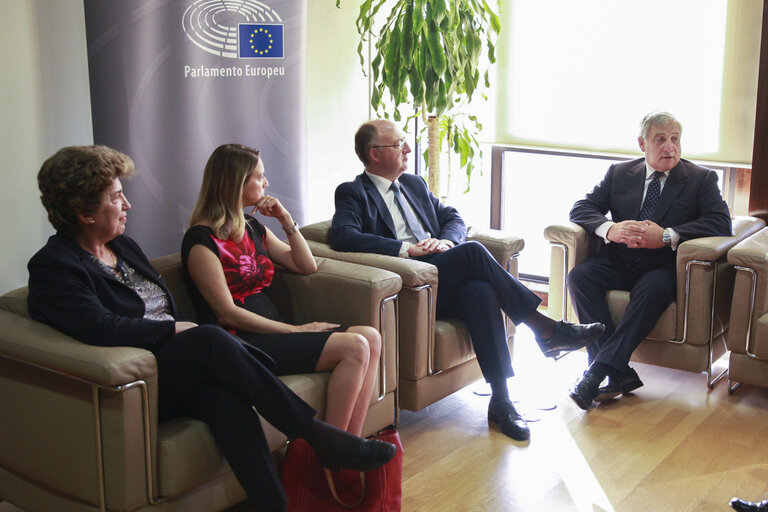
x,y
312,488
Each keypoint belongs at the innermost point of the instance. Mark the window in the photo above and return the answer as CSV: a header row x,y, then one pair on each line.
x,y
580,75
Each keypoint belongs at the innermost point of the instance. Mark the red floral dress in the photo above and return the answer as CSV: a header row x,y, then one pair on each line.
x,y
249,273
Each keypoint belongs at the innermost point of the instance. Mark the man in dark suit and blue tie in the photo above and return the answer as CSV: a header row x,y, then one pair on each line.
x,y
387,212
655,203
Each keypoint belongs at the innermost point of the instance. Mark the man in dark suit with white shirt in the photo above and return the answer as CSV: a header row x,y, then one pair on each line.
x,y
388,212
655,203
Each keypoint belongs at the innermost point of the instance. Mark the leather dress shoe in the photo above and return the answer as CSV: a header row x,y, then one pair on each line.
x,y
628,382
567,337
512,424
585,390
749,506
370,454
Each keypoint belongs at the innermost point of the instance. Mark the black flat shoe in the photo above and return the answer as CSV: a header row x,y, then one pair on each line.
x,y
585,391
371,454
567,337
627,383
512,424
749,506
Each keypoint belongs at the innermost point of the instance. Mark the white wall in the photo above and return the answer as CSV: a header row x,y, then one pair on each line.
x,y
337,101
44,104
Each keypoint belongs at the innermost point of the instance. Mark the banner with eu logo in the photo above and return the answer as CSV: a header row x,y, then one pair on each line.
x,y
260,40
201,73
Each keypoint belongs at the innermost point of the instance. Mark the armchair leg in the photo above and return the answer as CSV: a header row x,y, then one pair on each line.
x,y
711,382
733,386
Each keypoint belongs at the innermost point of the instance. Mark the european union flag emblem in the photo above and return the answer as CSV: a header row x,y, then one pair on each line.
x,y
260,40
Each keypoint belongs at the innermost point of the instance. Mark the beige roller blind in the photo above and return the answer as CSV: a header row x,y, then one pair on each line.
x,y
580,74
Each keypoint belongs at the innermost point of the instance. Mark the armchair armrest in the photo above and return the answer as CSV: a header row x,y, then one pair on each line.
x,y
750,297
318,232
571,245
502,246
40,345
702,257
339,291
412,272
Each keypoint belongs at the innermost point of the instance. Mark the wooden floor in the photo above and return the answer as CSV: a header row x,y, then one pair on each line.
x,y
673,446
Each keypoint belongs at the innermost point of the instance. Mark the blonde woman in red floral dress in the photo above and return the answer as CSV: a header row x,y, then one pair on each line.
x,y
228,258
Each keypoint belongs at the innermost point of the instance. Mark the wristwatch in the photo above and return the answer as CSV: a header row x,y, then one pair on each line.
x,y
666,237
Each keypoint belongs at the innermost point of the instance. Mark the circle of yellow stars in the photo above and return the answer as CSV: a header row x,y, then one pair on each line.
x,y
266,32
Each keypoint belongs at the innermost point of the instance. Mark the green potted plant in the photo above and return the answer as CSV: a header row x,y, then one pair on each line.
x,y
428,56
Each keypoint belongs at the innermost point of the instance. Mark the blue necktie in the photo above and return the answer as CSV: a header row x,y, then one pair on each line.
x,y
651,197
412,222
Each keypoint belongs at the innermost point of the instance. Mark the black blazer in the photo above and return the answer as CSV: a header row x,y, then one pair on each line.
x,y
362,221
68,290
690,203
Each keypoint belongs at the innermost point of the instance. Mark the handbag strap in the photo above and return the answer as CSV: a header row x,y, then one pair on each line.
x,y
332,485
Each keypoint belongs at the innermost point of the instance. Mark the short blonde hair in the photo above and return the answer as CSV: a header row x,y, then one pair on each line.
x,y
219,202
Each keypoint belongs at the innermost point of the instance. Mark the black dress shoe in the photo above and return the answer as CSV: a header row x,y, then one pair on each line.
x,y
628,382
749,506
370,454
585,390
567,337
512,424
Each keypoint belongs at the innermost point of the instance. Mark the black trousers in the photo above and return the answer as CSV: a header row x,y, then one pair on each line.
x,y
205,373
652,288
474,288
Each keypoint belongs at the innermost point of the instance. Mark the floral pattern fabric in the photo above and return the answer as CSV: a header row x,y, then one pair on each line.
x,y
247,269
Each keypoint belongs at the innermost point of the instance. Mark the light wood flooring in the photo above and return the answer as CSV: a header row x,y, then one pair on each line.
x,y
672,446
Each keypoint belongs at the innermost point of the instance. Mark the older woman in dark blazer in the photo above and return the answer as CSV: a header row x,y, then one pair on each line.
x,y
95,284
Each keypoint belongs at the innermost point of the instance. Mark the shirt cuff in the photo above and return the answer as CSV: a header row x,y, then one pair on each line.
x,y
602,230
404,250
674,238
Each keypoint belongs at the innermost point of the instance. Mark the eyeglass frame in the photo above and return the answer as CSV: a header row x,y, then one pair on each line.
x,y
400,145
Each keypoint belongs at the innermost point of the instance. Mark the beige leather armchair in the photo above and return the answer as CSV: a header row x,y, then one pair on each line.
x,y
690,335
747,338
78,423
436,356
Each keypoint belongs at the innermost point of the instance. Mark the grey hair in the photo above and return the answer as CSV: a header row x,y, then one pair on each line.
x,y
657,118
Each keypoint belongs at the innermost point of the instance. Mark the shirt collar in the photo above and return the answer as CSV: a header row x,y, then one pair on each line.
x,y
381,183
650,170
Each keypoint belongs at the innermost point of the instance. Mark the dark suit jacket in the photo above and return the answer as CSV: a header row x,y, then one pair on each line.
x,y
362,222
68,290
690,203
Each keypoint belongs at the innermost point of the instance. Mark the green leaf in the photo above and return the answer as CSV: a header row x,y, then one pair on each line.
x,y
435,48
440,10
406,49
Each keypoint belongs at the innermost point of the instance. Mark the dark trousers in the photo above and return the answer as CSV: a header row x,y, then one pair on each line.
x,y
205,373
474,288
652,288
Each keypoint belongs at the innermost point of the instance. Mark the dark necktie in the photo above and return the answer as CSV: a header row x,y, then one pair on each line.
x,y
411,221
651,197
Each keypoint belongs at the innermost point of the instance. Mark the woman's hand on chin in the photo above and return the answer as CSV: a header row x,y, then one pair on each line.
x,y
270,207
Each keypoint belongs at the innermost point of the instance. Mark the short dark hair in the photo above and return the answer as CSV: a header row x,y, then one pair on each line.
x,y
74,180
363,140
